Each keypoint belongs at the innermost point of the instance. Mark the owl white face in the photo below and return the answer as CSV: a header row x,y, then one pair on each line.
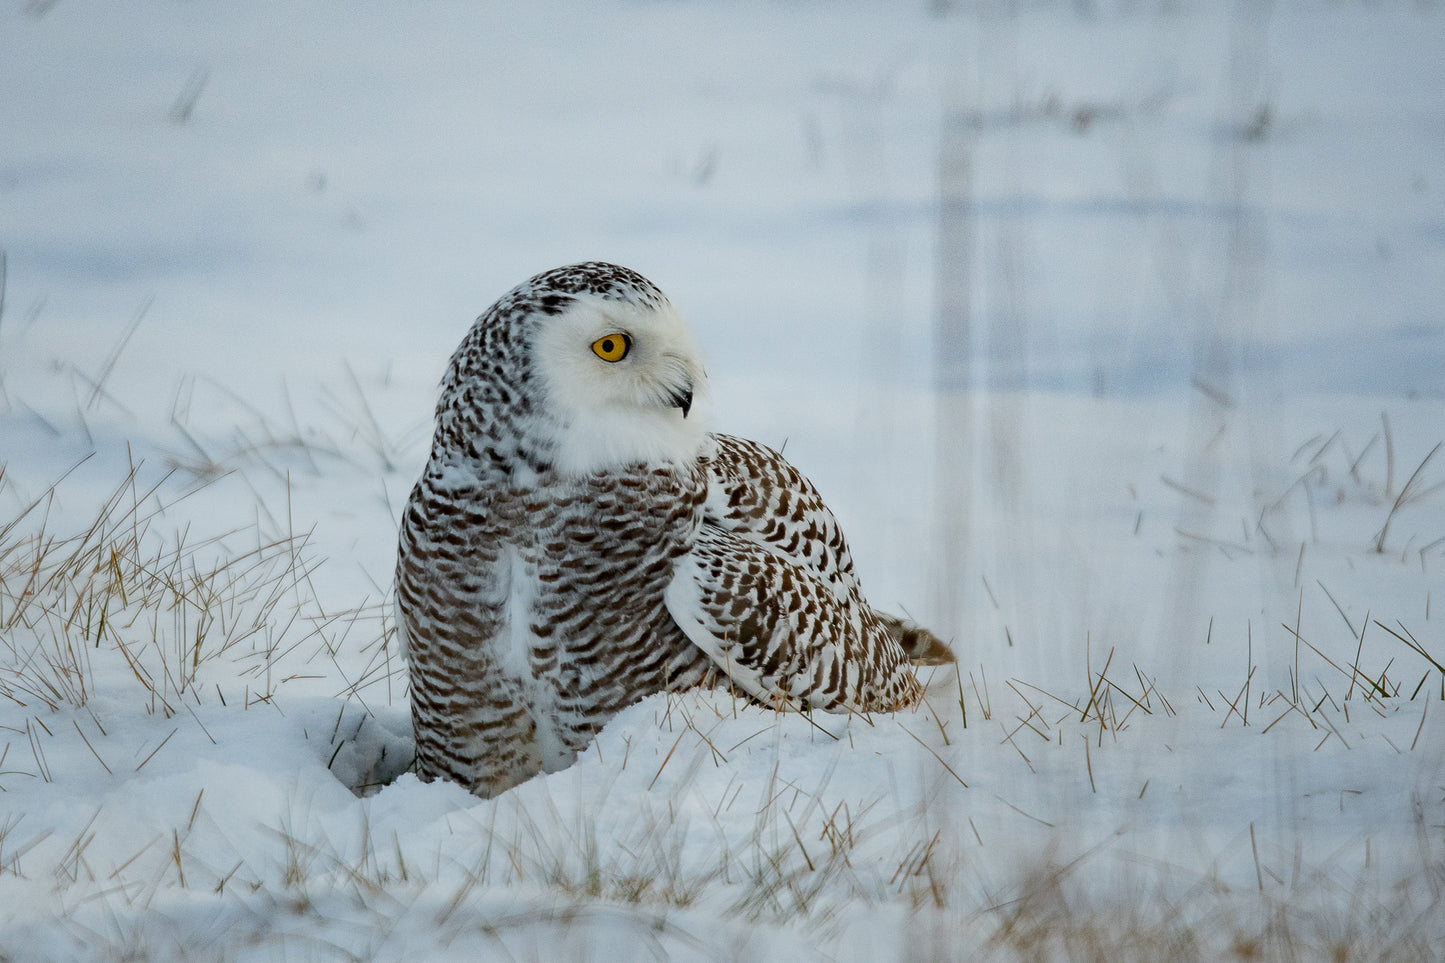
x,y
624,383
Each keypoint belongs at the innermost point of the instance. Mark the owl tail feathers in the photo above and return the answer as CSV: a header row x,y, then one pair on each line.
x,y
920,645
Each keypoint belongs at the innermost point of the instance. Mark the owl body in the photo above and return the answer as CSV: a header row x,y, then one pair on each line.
x,y
541,616
578,540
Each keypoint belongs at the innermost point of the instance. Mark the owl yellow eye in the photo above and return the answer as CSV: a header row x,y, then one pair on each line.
x,y
612,347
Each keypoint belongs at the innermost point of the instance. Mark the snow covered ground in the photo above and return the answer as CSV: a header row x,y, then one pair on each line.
x,y
1111,330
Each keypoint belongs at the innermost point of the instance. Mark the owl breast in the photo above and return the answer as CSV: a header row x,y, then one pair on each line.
x,y
534,614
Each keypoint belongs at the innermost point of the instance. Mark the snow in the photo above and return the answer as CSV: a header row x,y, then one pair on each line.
x,y
1200,253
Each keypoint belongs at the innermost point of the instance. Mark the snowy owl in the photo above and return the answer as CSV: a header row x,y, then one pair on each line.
x,y
579,540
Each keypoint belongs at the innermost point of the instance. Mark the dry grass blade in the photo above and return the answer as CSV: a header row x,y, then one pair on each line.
x,y
1367,684
934,755
1094,689
1414,644
1406,494
98,383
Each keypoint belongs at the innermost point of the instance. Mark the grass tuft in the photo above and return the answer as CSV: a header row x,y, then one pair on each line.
x,y
165,606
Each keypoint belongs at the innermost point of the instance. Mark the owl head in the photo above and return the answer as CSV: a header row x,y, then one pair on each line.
x,y
582,369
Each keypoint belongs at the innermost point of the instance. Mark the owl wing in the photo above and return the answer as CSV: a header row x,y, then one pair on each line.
x,y
769,592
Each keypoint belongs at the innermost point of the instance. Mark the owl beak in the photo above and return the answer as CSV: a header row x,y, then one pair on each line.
x,y
682,398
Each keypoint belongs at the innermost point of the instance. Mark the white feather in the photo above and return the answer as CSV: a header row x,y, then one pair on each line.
x,y
513,651
610,414
683,598
513,648
402,638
